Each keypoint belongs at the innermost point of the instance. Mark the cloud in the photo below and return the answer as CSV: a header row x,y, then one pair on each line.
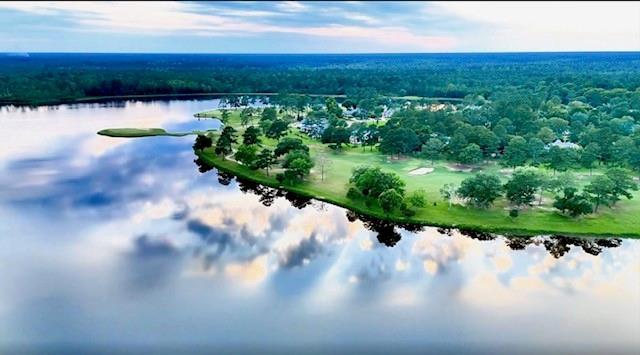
x,y
178,18
547,25
292,6
302,253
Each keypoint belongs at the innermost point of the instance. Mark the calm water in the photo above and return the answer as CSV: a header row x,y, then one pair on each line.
x,y
113,245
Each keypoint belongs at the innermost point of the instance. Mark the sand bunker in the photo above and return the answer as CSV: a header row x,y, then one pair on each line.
x,y
421,171
459,168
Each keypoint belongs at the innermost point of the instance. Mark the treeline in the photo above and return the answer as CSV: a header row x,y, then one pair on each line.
x,y
50,78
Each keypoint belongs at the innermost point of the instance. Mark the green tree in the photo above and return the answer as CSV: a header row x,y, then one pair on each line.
x,y
265,160
247,154
561,159
546,135
457,143
589,156
433,149
572,203
288,144
481,190
623,184
202,142
251,135
399,141
225,141
417,199
277,129
471,154
226,115
246,115
297,165
600,191
372,181
522,187
390,200
333,108
536,150
269,114
336,135
516,152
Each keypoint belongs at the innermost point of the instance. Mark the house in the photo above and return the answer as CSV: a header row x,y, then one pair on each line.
x,y
564,145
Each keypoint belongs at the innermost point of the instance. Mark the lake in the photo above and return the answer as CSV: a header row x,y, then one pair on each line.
x,y
114,245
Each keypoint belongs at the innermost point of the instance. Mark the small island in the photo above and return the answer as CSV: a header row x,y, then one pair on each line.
x,y
400,162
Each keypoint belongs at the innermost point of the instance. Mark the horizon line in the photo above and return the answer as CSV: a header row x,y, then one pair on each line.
x,y
325,53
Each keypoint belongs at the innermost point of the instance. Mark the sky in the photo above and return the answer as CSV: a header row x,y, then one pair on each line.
x,y
318,27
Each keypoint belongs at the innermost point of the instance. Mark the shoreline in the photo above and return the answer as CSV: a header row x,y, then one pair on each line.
x,y
98,99
257,177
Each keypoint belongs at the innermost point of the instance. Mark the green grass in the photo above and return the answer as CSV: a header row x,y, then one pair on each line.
x,y
620,221
143,132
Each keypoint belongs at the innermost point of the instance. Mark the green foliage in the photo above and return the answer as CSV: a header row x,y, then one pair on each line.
x,y
572,204
433,149
269,114
623,183
399,141
522,187
247,154
610,188
481,190
225,116
517,152
202,142
297,165
417,199
251,135
372,181
289,144
246,115
471,154
390,200
336,135
225,141
265,159
561,159
354,194
277,129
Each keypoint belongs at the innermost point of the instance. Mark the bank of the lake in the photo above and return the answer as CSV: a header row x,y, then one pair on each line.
x,y
611,223
186,96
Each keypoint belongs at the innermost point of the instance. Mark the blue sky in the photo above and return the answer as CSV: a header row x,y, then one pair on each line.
x,y
318,27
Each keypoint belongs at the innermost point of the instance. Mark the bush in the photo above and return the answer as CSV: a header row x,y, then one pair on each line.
x,y
354,193
417,199
406,211
514,213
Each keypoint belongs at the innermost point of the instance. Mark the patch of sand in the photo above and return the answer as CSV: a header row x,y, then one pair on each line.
x,y
421,171
459,168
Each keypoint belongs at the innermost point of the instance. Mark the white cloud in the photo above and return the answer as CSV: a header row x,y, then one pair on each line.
x,y
361,18
550,25
162,18
292,6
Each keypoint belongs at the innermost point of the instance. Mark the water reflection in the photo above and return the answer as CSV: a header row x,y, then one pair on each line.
x,y
121,242
387,232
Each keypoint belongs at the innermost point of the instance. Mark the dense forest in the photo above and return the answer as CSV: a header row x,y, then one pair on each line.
x,y
593,78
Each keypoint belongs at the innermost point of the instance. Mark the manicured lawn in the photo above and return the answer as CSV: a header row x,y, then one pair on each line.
x,y
623,220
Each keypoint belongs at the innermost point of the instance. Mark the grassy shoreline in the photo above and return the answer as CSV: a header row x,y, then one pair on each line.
x,y
511,227
618,222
